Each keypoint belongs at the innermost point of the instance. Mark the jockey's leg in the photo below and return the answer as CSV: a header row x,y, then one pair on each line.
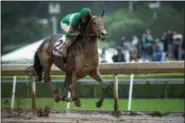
x,y
65,46
59,43
64,26
67,41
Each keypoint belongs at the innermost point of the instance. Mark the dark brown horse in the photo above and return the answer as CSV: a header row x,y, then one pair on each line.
x,y
84,51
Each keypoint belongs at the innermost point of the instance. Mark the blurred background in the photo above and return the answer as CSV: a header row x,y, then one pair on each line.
x,y
138,31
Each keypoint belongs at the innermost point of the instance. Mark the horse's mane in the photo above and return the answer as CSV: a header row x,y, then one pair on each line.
x,y
81,40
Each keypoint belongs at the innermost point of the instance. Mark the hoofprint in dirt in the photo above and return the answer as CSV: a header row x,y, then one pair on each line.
x,y
88,116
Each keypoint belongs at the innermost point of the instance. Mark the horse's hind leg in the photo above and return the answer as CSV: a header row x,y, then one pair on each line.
x,y
47,79
95,74
47,63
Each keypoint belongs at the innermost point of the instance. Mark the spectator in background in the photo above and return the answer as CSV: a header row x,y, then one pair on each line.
x,y
103,56
183,53
176,43
149,36
143,41
170,37
170,40
134,55
148,41
120,56
126,49
134,49
157,50
164,39
135,41
122,41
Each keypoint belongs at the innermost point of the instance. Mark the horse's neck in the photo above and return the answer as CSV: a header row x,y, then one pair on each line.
x,y
91,48
90,45
88,30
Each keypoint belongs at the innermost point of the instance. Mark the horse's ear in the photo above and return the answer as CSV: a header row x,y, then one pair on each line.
x,y
102,13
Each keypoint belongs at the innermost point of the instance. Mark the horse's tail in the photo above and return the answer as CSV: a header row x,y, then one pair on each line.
x,y
38,68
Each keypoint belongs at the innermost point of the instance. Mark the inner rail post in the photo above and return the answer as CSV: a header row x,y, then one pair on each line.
x,y
33,89
13,91
116,106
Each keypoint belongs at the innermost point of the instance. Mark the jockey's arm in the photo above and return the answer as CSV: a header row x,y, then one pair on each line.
x,y
73,29
72,32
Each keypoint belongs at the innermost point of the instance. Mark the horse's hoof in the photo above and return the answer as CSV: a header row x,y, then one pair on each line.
x,y
57,98
99,104
116,113
77,103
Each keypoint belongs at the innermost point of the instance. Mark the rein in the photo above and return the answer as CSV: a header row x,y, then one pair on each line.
x,y
91,34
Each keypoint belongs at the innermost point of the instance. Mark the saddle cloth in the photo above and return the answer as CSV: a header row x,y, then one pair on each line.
x,y
58,45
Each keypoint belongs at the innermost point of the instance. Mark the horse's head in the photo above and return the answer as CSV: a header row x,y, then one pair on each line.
x,y
97,26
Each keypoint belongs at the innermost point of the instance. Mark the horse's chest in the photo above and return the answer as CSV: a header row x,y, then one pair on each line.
x,y
88,64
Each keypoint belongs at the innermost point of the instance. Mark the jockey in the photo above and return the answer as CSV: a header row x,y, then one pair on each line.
x,y
73,25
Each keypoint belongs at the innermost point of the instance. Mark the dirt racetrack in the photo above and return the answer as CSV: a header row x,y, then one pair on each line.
x,y
87,116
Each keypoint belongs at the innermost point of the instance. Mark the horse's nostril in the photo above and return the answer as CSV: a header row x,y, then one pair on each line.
x,y
102,33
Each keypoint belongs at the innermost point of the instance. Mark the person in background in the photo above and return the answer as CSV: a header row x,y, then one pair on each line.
x,y
123,39
183,47
169,36
176,43
143,41
103,56
134,49
147,41
120,56
134,55
165,41
157,50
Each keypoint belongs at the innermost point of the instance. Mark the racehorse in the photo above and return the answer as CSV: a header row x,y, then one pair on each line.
x,y
82,57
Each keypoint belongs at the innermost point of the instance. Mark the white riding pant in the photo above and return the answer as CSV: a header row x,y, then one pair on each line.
x,y
61,40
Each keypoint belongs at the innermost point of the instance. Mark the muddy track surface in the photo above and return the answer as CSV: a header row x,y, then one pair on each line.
x,y
87,116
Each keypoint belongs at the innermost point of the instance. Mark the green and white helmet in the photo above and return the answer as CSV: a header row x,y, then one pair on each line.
x,y
84,11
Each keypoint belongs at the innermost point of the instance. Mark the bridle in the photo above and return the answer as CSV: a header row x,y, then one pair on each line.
x,y
95,32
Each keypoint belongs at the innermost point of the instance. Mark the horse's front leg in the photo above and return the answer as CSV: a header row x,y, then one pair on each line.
x,y
95,74
75,96
68,81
